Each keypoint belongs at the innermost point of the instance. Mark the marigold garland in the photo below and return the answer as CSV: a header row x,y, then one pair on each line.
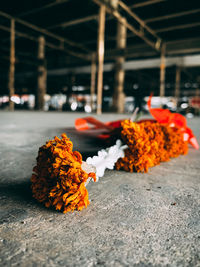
x,y
58,179
149,143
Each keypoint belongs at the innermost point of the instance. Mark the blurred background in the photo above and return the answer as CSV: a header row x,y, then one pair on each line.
x,y
100,55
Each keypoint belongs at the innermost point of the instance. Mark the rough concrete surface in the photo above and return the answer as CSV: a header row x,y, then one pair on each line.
x,y
150,219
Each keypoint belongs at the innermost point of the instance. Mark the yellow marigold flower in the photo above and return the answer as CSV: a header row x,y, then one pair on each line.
x,y
58,179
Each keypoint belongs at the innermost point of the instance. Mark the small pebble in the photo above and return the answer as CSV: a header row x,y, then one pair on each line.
x,y
173,204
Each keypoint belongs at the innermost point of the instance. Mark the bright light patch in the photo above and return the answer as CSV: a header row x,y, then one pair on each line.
x,y
184,105
74,106
87,108
15,99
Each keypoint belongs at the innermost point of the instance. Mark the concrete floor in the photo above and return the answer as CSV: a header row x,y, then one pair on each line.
x,y
134,219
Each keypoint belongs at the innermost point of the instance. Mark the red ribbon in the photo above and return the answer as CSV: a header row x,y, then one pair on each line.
x,y
173,119
111,129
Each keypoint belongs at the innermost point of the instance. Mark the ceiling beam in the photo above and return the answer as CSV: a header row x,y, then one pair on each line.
x,y
130,52
147,3
182,61
139,20
17,33
178,27
108,38
143,50
184,51
74,22
19,61
190,45
122,19
185,40
174,15
130,35
93,17
35,10
45,32
6,49
48,44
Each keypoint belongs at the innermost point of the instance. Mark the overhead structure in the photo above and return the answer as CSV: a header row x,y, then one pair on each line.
x,y
45,7
112,7
74,22
190,61
173,15
100,53
93,81
178,81
42,75
11,78
71,42
146,3
162,71
43,31
119,97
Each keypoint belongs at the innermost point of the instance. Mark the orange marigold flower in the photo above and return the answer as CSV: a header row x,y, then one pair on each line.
x,y
58,179
174,141
149,144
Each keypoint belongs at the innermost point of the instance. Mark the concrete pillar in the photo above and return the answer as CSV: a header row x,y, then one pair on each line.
x,y
70,84
197,93
162,71
177,85
11,76
100,52
42,74
118,98
93,80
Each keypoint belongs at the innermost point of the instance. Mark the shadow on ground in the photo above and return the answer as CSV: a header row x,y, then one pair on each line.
x,y
85,142
16,198
12,193
17,190
17,202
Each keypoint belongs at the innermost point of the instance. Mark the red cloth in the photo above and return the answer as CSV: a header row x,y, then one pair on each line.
x,y
173,119
110,129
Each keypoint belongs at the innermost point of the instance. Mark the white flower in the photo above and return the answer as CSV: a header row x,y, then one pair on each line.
x,y
107,158
88,168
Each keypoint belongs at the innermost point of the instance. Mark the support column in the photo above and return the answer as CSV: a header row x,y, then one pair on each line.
x,y
70,84
162,71
42,74
93,80
118,99
11,77
101,31
197,93
178,80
